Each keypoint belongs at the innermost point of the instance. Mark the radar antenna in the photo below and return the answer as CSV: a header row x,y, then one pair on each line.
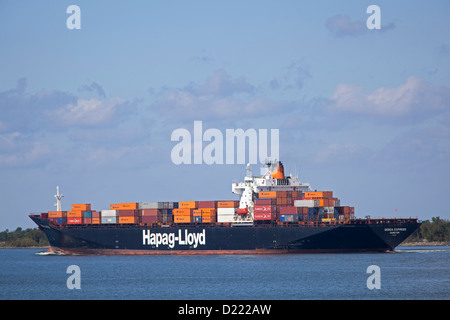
x,y
58,199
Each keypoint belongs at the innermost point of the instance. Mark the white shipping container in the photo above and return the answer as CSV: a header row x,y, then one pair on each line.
x,y
109,213
148,205
226,211
306,203
225,218
109,219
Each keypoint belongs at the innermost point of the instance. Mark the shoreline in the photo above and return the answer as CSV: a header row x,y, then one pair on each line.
x,y
424,244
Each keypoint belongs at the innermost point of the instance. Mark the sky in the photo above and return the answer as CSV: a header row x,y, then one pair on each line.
x,y
362,112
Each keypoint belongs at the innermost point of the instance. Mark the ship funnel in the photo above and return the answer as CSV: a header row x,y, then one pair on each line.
x,y
278,172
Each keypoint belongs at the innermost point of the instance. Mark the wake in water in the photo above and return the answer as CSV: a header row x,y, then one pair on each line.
x,y
424,249
51,252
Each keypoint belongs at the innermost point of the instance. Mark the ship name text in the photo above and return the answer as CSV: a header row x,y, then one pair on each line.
x,y
171,239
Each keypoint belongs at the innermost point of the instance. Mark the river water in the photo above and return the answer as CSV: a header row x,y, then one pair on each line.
x,y
407,273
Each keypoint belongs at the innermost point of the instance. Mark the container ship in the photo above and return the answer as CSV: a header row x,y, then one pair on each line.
x,y
275,213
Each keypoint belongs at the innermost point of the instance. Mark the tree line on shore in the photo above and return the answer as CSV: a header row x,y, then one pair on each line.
x,y
436,230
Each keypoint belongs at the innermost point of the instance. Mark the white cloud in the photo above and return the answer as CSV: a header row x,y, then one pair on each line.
x,y
414,97
87,112
220,97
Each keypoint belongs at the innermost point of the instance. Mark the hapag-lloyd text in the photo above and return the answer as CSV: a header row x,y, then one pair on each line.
x,y
170,239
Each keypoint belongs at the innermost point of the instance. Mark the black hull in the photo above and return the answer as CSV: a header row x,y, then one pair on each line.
x,y
213,239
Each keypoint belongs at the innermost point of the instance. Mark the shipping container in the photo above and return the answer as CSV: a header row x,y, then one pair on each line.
x,y
319,194
124,206
148,205
128,219
266,215
81,207
267,194
306,203
128,213
288,210
268,201
183,212
302,210
75,220
182,219
96,220
188,204
87,220
207,204
225,218
108,219
57,214
95,214
148,212
226,211
149,219
87,214
109,213
289,218
59,220
228,204
75,214
264,208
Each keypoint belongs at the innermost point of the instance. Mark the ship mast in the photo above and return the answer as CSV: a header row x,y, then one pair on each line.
x,y
58,199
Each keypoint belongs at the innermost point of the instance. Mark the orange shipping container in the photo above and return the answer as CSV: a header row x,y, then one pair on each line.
x,y
124,206
182,219
128,219
57,214
81,207
96,220
209,211
75,214
197,213
188,204
228,204
267,194
319,194
183,212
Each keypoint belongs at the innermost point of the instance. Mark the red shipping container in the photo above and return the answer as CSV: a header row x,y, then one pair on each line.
x,y
288,210
264,208
149,212
265,201
77,220
128,213
264,215
149,219
88,220
207,204
96,214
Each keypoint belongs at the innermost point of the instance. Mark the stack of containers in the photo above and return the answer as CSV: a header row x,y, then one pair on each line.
x,y
208,211
96,217
184,214
79,213
320,205
58,217
226,211
109,216
156,212
277,205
